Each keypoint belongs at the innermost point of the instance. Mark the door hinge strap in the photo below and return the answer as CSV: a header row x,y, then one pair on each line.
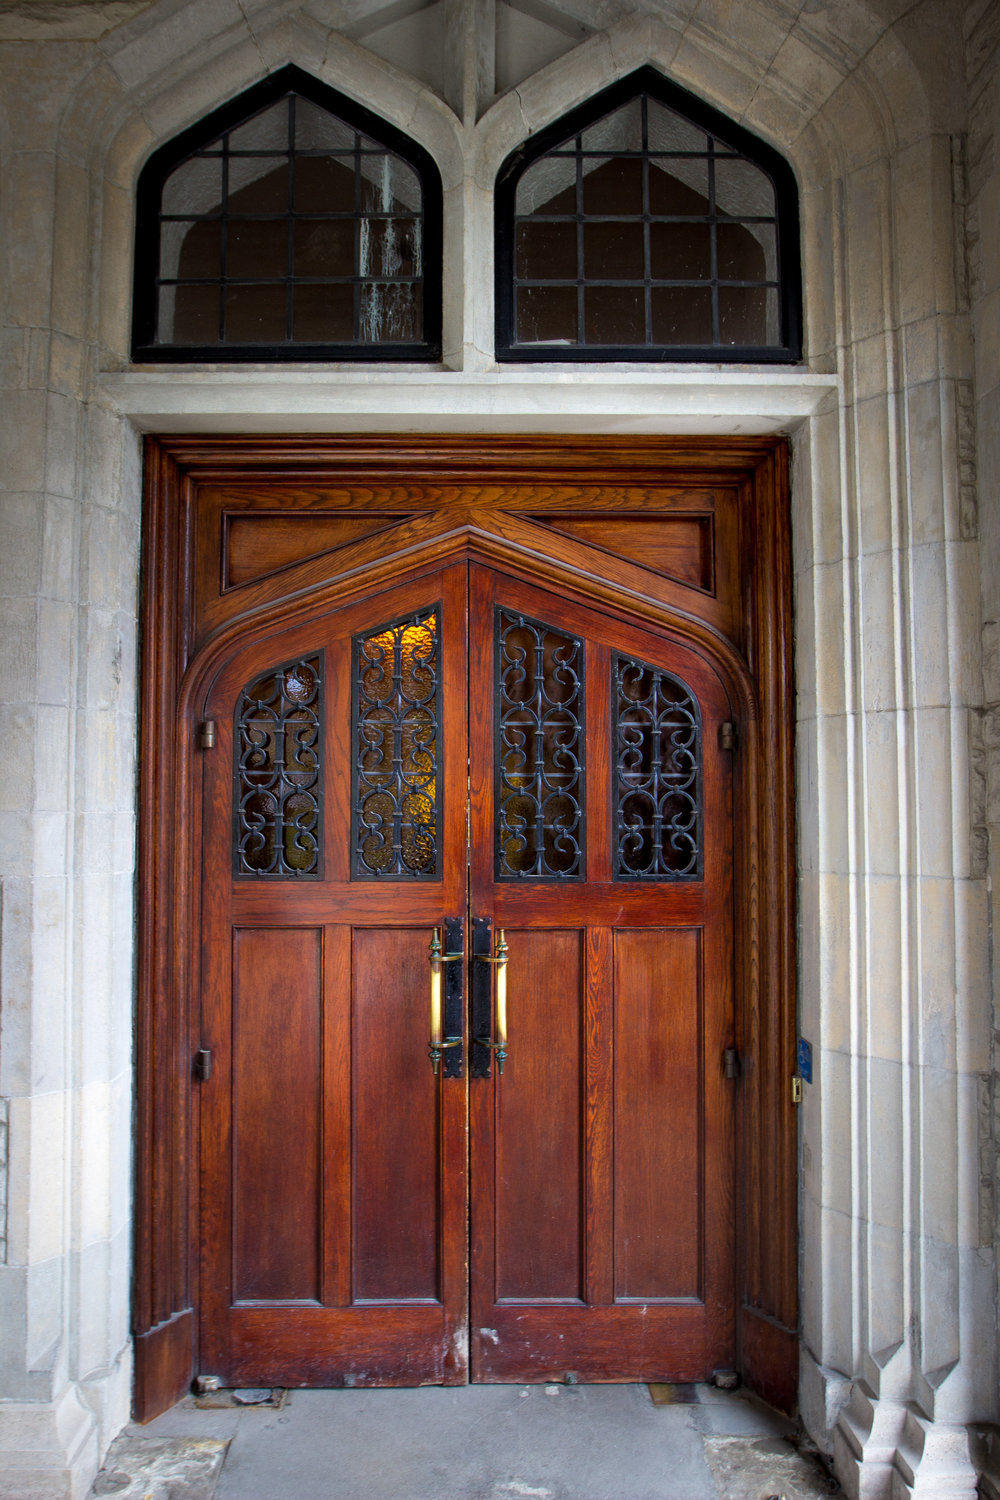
x,y
206,734
203,1064
727,735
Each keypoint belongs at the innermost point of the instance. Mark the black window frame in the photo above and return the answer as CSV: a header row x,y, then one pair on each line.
x,y
649,81
146,265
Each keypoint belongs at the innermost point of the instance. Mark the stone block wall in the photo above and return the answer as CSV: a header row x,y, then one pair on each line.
x,y
896,1261
69,536
980,457
896,541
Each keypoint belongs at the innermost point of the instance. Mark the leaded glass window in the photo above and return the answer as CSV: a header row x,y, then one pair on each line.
x,y
291,224
645,225
278,772
656,753
397,750
540,751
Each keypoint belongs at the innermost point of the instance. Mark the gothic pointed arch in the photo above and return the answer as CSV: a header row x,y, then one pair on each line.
x,y
646,225
290,224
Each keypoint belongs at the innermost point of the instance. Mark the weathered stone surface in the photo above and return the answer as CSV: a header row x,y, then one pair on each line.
x,y
897,473
142,1468
46,20
766,1466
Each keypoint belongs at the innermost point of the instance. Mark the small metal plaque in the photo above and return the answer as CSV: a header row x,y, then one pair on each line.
x,y
805,1060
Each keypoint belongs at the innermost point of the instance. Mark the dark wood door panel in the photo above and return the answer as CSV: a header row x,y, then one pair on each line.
x,y
661,1191
599,1344
373,1346
330,636
277,1111
597,1177
259,544
255,544
538,1129
615,1187
636,904
396,1171
333,1161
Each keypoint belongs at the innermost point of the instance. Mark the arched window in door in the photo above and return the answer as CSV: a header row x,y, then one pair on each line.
x,y
645,225
289,224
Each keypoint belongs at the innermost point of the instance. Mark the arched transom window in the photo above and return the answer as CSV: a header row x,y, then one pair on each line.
x,y
645,225
291,224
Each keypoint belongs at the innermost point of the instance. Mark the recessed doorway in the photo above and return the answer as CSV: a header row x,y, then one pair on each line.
x,y
465,767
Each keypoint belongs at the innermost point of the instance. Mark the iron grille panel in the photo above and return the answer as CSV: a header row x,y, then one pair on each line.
x,y
397,757
278,773
540,751
657,756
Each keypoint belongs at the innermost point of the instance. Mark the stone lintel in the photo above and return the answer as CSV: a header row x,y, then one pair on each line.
x,y
696,401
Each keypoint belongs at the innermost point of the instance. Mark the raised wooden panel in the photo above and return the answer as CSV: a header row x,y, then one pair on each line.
x,y
676,545
395,1195
257,544
277,1014
665,529
539,1131
658,1152
494,503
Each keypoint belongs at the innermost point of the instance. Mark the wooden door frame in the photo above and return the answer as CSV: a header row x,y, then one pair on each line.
x,y
759,672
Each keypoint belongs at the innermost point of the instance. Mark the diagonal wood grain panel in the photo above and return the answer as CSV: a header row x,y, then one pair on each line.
x,y
677,546
257,545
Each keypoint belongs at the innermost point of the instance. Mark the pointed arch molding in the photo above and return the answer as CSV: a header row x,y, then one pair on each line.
x,y
442,500
622,122
350,135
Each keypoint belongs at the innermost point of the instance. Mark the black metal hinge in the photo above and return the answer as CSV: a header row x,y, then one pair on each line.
x,y
203,1064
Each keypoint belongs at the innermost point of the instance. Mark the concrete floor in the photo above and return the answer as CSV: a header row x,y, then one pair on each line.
x,y
501,1442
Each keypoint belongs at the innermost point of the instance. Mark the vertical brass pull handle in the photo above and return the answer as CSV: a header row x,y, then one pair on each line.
x,y
498,958
439,1042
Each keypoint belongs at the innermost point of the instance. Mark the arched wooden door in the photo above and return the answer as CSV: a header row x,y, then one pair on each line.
x,y
313,1204
537,781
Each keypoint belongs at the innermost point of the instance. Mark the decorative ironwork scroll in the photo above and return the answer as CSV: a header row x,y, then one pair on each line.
x,y
278,773
397,716
656,752
540,760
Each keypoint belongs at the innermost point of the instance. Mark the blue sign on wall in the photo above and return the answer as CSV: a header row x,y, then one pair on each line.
x,y
805,1060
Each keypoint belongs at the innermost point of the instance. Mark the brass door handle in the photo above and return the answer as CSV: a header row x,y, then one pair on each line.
x,y
446,1009
498,958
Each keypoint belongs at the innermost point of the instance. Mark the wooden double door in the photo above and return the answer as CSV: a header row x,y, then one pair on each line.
x,y
468,752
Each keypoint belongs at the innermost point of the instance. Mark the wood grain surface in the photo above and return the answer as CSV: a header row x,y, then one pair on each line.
x,y
322,1201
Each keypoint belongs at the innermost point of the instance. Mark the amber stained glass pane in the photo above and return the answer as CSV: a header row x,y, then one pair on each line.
x,y
396,737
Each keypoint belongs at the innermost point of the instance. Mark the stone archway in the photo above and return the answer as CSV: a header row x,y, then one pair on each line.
x,y
895,994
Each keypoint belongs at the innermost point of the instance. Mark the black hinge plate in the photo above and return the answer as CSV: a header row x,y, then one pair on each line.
x,y
482,995
454,994
203,1064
